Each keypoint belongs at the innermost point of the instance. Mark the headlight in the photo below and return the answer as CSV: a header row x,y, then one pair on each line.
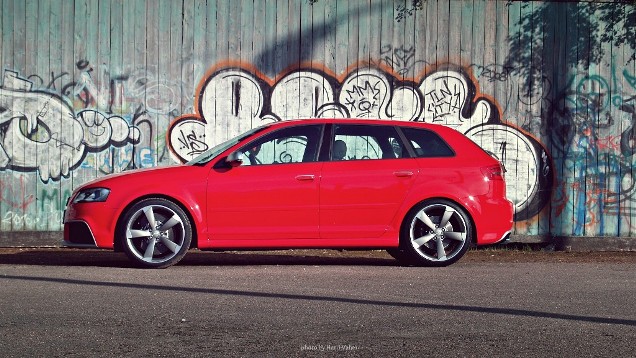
x,y
91,195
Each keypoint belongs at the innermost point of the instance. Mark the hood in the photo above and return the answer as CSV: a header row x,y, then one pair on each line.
x,y
139,174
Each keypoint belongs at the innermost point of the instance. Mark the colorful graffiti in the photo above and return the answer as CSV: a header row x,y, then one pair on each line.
x,y
233,99
593,139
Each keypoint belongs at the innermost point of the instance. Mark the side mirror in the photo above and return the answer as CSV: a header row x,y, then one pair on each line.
x,y
235,159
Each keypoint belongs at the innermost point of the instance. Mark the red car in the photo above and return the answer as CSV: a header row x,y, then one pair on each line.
x,y
423,192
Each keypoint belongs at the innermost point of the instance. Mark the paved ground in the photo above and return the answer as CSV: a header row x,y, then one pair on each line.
x,y
79,257
62,302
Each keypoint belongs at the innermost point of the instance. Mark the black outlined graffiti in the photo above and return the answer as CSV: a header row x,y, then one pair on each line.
x,y
40,130
235,99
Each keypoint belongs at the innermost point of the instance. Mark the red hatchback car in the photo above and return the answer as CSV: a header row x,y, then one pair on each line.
x,y
423,192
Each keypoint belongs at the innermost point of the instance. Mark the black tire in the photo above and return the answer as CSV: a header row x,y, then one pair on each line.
x,y
436,232
155,233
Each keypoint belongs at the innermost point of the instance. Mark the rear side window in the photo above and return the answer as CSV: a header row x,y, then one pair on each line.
x,y
427,144
354,141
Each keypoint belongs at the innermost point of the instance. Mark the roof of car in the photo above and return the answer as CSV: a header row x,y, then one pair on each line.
x,y
363,121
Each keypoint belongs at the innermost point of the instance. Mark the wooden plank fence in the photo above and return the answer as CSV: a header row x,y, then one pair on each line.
x,y
160,80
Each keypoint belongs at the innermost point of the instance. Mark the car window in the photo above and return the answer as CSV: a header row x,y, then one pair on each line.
x,y
213,152
427,144
353,142
289,145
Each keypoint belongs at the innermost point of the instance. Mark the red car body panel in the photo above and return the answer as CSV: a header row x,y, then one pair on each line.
x,y
322,204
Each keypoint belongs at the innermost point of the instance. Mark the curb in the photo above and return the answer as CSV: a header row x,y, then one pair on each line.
x,y
560,243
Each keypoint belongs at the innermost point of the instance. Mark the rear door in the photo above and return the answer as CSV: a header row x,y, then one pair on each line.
x,y
362,188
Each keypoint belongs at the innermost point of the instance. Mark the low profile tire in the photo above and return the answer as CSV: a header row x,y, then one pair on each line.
x,y
155,233
434,233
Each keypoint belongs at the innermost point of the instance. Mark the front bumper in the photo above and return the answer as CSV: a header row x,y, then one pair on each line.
x,y
78,234
90,225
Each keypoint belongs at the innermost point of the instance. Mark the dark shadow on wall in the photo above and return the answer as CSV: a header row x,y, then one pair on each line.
x,y
555,50
553,35
297,47
551,38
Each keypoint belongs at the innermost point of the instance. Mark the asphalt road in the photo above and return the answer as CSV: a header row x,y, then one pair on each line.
x,y
71,303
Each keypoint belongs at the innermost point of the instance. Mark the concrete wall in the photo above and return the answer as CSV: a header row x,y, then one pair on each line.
x,y
93,87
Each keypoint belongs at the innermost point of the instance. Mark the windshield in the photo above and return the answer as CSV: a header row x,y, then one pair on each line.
x,y
213,152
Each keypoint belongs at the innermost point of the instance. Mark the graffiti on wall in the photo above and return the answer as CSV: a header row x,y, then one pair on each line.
x,y
232,99
40,131
593,137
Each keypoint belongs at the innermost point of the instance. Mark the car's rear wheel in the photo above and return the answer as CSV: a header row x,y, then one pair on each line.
x,y
434,233
156,233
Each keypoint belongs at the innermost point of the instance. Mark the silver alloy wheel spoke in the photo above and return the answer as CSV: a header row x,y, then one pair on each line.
x,y
169,244
150,215
426,220
447,215
441,253
459,236
150,250
174,220
133,233
423,240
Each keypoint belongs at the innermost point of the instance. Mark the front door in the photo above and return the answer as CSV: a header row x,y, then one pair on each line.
x,y
273,197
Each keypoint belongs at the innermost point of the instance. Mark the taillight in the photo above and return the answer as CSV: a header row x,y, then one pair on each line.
x,y
493,172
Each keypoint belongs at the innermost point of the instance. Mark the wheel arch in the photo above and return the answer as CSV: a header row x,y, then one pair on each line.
x,y
120,220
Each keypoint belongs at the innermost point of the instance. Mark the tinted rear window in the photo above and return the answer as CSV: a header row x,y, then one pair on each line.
x,y
427,144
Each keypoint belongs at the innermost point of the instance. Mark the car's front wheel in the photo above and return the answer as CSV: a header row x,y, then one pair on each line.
x,y
156,233
434,233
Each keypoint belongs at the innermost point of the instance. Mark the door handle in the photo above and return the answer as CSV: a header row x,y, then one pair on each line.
x,y
305,177
403,173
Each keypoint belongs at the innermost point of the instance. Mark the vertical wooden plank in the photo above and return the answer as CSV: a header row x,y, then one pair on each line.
x,y
280,46
49,203
102,65
6,48
128,104
431,32
152,54
234,30
376,22
31,44
455,23
466,22
200,44
264,34
79,21
443,32
65,64
606,163
625,202
187,47
116,61
364,29
164,99
20,24
256,41
316,11
342,37
176,37
330,33
514,16
353,28
211,37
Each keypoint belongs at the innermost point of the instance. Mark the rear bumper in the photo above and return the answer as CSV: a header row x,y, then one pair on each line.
x,y
493,221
